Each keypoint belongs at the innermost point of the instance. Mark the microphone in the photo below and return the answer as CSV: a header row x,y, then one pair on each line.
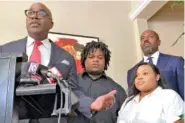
x,y
26,92
25,77
65,98
52,74
24,68
36,69
63,69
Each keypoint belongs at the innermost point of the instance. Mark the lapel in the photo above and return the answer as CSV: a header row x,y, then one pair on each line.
x,y
22,45
162,60
22,48
53,54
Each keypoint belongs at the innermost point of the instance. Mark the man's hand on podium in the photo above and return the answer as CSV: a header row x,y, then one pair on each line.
x,y
103,102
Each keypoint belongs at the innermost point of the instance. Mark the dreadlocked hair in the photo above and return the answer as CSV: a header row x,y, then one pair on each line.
x,y
93,45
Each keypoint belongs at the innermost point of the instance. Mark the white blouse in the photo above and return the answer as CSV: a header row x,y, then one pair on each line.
x,y
160,106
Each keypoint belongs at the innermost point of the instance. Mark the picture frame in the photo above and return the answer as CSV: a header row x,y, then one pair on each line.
x,y
73,44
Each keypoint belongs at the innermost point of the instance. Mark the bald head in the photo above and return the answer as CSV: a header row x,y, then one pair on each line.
x,y
38,21
149,42
45,8
153,32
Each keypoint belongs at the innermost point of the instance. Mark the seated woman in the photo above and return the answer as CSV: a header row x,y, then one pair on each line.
x,y
149,101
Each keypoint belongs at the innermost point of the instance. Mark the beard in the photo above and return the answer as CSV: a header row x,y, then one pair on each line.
x,y
149,49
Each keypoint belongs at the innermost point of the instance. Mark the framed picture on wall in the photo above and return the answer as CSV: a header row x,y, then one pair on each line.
x,y
73,44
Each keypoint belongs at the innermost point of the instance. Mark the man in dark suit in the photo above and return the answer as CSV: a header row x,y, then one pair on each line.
x,y
42,50
171,67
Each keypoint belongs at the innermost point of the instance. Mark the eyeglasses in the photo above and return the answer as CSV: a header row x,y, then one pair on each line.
x,y
40,14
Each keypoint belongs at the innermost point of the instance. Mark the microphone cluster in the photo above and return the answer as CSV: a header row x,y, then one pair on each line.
x,y
34,75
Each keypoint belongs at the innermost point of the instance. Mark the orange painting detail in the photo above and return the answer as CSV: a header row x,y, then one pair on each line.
x,y
74,48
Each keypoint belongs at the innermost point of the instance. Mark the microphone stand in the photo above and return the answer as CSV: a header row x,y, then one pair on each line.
x,y
66,90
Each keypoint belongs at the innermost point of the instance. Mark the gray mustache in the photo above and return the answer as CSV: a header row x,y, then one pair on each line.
x,y
147,44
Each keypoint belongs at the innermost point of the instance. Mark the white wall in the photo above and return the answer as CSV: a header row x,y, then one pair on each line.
x,y
169,24
107,20
135,4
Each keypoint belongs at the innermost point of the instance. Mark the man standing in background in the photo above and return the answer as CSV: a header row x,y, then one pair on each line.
x,y
171,67
94,82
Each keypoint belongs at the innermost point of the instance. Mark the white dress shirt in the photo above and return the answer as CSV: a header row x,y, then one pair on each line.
x,y
154,56
160,106
45,50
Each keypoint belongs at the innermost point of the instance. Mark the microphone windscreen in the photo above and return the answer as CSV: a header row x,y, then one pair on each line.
x,y
64,69
24,67
36,68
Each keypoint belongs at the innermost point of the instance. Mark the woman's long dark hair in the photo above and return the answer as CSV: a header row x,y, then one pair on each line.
x,y
133,91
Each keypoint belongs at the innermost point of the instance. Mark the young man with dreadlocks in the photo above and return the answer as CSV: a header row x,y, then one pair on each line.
x,y
94,82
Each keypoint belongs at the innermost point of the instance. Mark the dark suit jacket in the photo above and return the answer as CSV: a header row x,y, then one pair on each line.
x,y
172,68
57,55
